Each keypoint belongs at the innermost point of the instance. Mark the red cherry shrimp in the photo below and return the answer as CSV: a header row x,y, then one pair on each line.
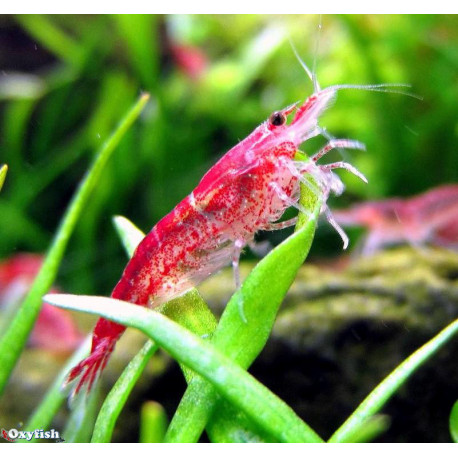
x,y
246,191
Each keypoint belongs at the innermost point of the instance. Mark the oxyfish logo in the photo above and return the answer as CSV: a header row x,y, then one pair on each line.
x,y
6,436
14,434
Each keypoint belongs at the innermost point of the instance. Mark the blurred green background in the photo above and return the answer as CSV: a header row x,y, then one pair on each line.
x,y
65,81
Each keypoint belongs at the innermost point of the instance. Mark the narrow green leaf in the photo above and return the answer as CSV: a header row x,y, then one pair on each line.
x,y
15,121
116,399
454,422
82,418
232,382
43,29
191,312
140,34
229,424
369,429
196,407
129,234
383,392
153,423
14,339
3,170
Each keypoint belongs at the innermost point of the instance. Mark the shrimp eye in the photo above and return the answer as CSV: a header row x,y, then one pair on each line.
x,y
277,118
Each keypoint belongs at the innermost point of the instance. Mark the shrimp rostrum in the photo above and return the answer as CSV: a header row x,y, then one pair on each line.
x,y
246,191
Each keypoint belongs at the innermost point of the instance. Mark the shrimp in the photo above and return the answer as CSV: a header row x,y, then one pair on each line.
x,y
246,191
54,331
428,217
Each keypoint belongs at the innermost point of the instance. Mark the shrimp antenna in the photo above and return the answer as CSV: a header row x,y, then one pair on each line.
x,y
383,87
310,74
316,86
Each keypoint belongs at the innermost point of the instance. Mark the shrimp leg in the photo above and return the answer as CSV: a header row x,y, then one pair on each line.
x,y
346,166
338,143
325,208
336,226
281,224
238,246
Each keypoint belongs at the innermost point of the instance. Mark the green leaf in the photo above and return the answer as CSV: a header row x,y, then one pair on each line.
x,y
229,424
140,34
82,417
383,392
369,429
153,423
231,381
129,234
3,170
454,422
44,30
14,339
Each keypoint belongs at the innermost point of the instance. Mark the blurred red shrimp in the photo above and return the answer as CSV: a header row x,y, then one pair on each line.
x,y
431,217
191,60
54,330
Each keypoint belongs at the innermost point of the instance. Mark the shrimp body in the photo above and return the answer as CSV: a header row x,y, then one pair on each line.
x,y
247,190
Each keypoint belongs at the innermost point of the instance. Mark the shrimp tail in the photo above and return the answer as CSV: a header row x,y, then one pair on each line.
x,y
87,371
105,335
